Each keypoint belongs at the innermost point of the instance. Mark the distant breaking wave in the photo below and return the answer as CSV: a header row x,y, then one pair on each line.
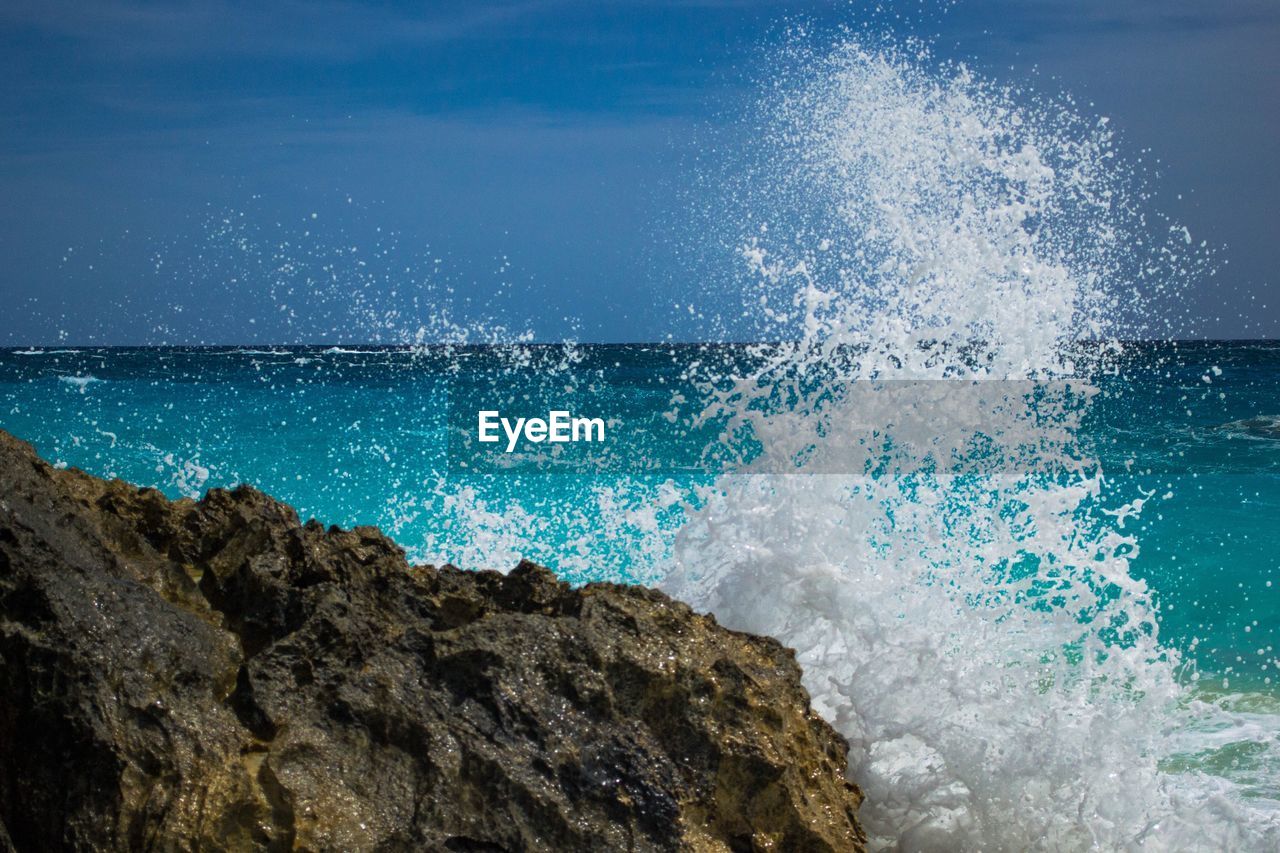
x,y
1262,426
80,382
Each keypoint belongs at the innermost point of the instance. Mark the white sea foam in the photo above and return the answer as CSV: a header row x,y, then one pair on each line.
x,y
81,383
963,610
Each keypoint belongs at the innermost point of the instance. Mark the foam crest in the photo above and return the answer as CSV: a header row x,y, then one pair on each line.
x,y
957,587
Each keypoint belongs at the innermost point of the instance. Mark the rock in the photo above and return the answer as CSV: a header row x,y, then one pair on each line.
x,y
215,675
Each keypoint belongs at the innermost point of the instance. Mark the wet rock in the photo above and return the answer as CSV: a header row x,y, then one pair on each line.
x,y
215,675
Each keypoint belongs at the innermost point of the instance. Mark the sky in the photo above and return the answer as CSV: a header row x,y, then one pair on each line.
x,y
217,171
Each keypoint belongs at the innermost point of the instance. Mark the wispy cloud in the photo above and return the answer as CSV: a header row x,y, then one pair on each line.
x,y
1048,19
333,29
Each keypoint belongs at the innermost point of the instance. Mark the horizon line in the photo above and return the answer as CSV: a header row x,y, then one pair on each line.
x,y
563,343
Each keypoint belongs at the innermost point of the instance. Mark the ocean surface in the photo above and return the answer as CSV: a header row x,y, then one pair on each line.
x,y
351,436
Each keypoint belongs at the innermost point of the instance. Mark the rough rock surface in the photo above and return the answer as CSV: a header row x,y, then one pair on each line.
x,y
214,675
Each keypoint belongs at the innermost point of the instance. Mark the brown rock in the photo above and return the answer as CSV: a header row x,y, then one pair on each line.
x,y
214,675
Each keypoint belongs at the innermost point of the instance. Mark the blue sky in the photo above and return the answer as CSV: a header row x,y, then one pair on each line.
x,y
223,171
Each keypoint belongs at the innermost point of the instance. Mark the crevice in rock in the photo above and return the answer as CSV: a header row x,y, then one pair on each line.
x,y
463,844
282,814
247,711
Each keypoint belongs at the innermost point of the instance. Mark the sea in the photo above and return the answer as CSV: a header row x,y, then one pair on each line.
x,y
1025,547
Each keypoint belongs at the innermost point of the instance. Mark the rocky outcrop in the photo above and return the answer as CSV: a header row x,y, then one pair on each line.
x,y
215,675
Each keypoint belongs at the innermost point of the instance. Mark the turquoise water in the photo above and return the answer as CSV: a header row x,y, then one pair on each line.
x,y
362,437
1195,426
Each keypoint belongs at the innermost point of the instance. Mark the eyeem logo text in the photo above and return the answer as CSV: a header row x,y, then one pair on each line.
x,y
559,427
